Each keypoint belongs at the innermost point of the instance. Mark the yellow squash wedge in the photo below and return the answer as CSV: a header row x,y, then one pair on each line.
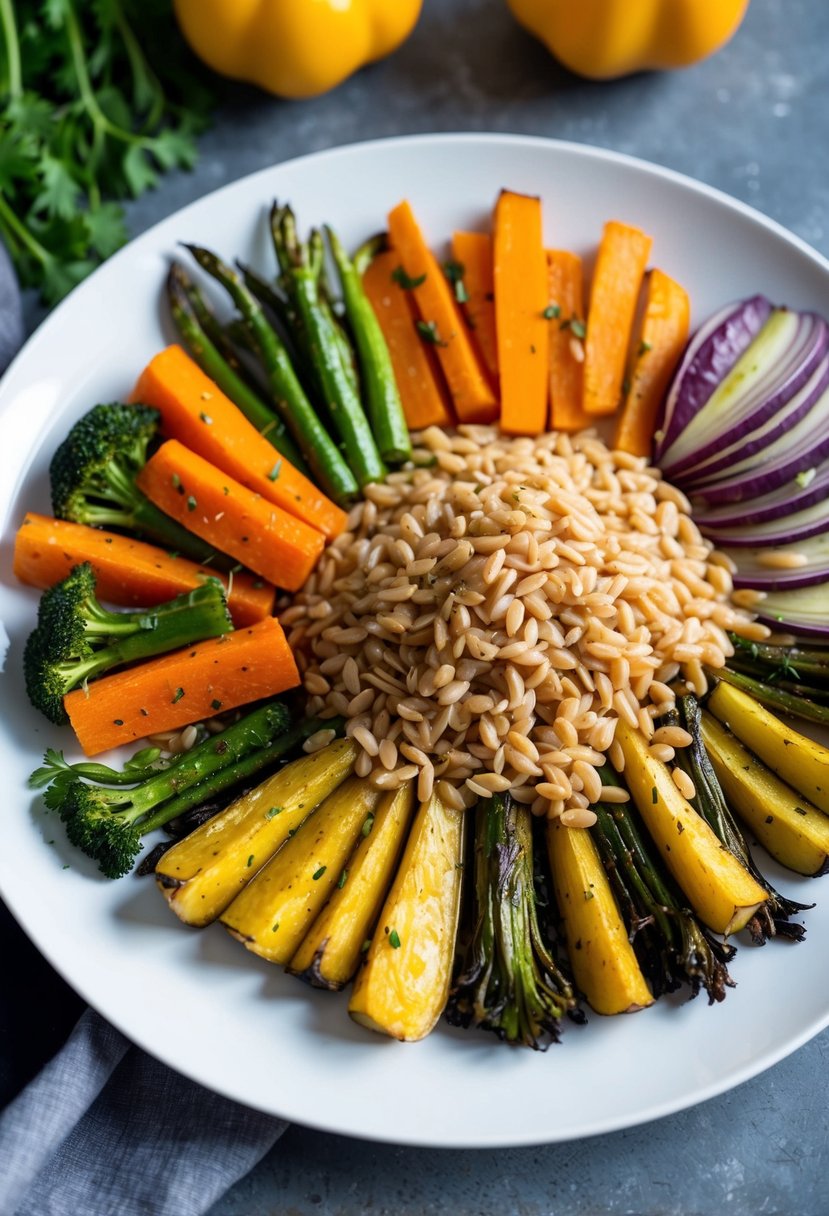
x,y
201,874
794,757
273,912
721,891
604,964
402,988
330,952
787,826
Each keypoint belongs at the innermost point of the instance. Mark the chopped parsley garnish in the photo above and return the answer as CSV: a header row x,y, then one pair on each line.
x,y
428,331
394,940
274,810
317,875
215,704
342,880
406,281
654,795
454,272
577,328
191,503
644,347
250,861
367,825
206,419
178,695
552,312
275,471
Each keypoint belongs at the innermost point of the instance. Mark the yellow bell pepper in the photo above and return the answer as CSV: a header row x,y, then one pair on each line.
x,y
294,48
607,38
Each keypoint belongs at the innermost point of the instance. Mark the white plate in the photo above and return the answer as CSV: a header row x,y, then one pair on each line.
x,y
198,1000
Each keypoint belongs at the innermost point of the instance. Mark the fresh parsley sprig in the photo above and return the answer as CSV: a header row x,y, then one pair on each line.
x,y
86,122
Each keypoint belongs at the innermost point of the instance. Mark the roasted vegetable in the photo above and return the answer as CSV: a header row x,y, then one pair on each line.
x,y
287,395
601,956
189,685
93,474
330,952
720,890
107,820
510,982
301,269
127,571
788,827
273,912
795,758
402,987
671,945
203,873
773,918
77,639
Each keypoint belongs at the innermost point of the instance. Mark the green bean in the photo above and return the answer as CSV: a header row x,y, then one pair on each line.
x,y
385,409
328,467
304,266
212,362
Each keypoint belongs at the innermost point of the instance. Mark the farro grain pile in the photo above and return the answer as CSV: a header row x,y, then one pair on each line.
x,y
485,621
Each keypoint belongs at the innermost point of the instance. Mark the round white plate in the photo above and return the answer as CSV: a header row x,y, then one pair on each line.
x,y
197,1000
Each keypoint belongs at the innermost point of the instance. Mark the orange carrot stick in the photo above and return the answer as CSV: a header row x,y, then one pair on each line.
x,y
520,301
440,321
566,289
620,265
187,686
127,571
419,378
473,251
662,341
236,521
195,411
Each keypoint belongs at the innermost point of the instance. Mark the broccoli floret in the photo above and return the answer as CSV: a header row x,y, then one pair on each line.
x,y
93,475
107,820
77,639
109,835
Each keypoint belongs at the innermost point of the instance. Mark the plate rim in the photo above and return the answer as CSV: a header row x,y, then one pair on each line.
x,y
43,332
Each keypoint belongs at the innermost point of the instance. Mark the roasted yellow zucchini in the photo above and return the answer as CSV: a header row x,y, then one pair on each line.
x,y
721,891
330,952
602,959
402,988
796,758
201,874
786,825
275,909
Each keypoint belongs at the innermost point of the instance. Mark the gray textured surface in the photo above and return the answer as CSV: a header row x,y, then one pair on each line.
x,y
754,122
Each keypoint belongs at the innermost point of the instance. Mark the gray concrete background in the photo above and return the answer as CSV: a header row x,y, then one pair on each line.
x,y
752,121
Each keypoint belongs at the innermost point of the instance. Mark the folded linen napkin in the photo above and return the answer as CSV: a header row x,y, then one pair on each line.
x,y
104,1128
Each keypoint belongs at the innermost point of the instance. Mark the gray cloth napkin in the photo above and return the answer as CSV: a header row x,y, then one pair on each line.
x,y
104,1129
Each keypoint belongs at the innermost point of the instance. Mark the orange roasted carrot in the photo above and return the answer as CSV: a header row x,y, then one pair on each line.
x,y
127,571
195,411
187,686
260,535
566,308
662,341
440,322
419,378
521,297
620,265
473,251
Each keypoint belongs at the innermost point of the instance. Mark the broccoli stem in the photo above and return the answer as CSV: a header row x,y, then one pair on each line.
x,y
243,768
133,511
191,617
